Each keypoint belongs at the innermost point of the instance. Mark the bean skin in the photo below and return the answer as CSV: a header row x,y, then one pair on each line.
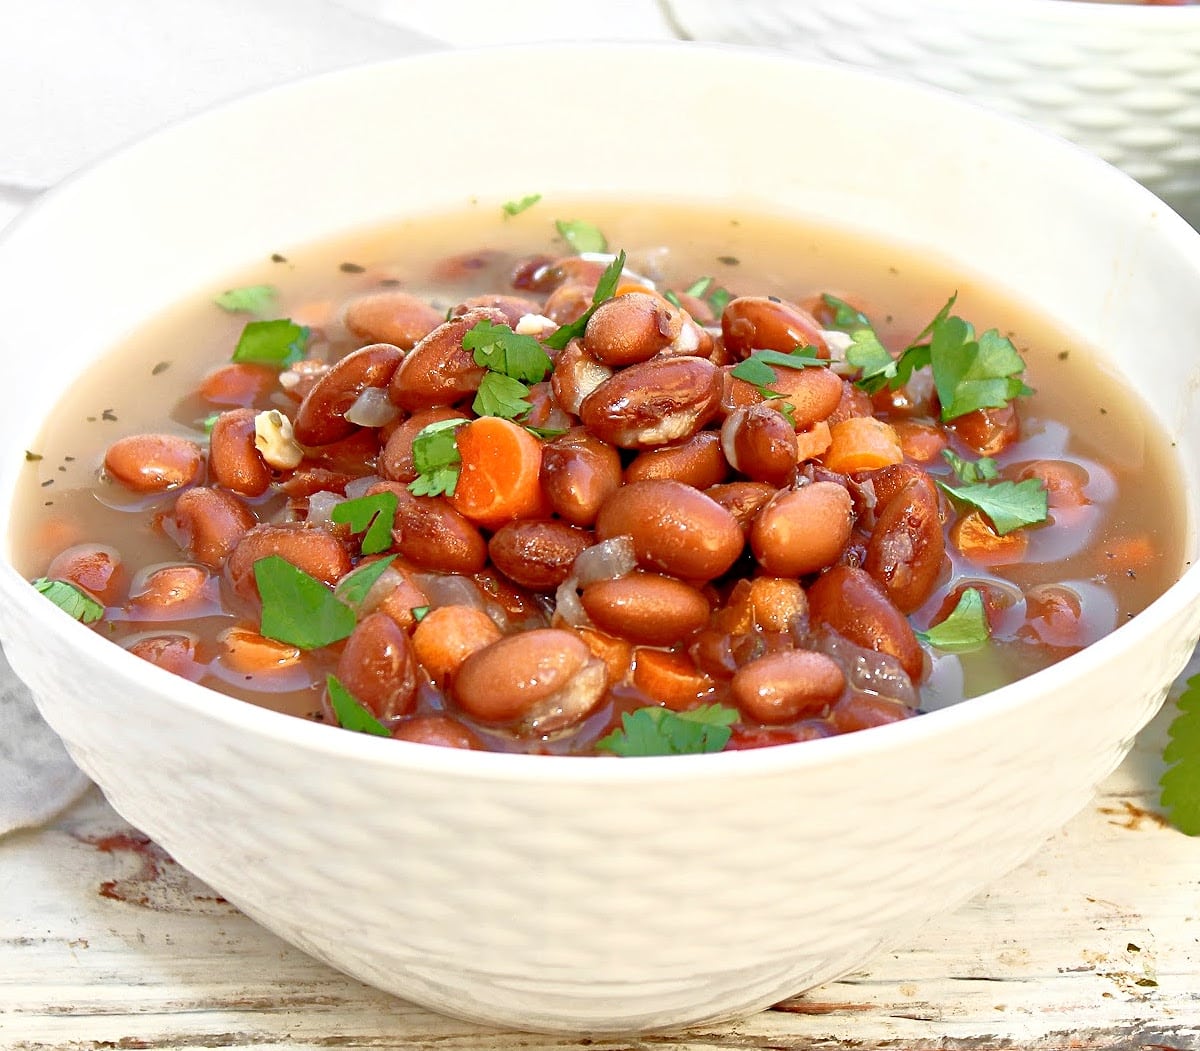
x,y
376,666
576,374
907,550
751,323
96,568
439,730
448,636
578,473
781,687
234,459
431,534
674,527
439,370
743,500
316,552
512,307
537,554
696,461
208,523
800,531
175,593
760,443
646,607
813,394
850,602
321,417
989,431
394,317
153,463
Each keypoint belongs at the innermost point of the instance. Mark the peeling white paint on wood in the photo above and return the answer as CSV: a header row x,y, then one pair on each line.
x,y
1094,944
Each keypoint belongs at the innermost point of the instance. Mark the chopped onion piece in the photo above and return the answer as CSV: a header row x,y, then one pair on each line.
x,y
607,560
388,581
372,408
567,606
320,507
868,671
357,487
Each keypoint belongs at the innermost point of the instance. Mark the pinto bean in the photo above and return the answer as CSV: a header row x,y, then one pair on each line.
x,y
760,443
989,431
1065,481
697,461
153,463
448,636
321,418
238,383
175,593
743,500
396,459
542,680
813,394
537,554
635,326
234,459
907,550
376,666
576,374
245,651
791,684
207,523
96,568
800,531
654,403
849,601
776,603
512,307
568,302
172,651
441,730
392,316
431,534
646,607
674,528
764,323
578,473
439,370
318,553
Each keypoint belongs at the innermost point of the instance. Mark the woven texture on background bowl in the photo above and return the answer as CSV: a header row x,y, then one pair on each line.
x,y
578,894
1122,80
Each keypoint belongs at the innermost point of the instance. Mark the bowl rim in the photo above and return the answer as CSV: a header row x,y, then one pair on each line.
x,y
335,743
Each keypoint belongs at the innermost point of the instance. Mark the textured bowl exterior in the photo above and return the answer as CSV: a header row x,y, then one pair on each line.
x,y
1119,79
593,895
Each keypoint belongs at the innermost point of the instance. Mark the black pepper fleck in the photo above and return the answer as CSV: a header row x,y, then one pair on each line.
x,y
390,282
48,503
69,459
729,260
62,468
277,258
48,481
775,299
162,366
32,457
91,419
109,415
1063,355
1131,574
351,268
1103,411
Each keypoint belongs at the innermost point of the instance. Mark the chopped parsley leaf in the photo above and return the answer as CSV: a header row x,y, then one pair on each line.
x,y
370,515
280,343
966,628
759,367
699,288
526,202
581,236
500,349
419,613
660,731
971,471
298,608
606,287
252,299
351,713
501,395
1008,505
70,599
353,587
719,300
435,456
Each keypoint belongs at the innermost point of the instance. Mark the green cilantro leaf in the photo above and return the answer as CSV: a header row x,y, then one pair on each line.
x,y
252,299
517,207
660,731
72,600
209,422
1009,505
371,515
699,288
673,299
754,370
1181,780
353,587
501,395
971,471
759,367
877,368
436,459
351,713
581,236
972,373
966,628
719,300
605,288
845,317
419,613
500,349
280,343
298,608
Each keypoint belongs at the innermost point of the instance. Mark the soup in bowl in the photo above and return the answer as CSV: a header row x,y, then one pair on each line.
x,y
891,519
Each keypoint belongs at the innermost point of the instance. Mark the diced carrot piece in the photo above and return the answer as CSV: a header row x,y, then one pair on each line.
x,y
498,480
920,442
238,383
813,442
617,654
448,635
669,677
862,443
974,536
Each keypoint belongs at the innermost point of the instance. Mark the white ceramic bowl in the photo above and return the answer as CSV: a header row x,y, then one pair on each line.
x,y
577,894
1121,79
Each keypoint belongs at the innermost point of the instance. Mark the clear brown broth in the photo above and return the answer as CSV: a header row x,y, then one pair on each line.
x,y
1080,410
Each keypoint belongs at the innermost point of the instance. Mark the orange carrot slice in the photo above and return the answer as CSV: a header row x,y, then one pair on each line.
x,y
498,479
862,443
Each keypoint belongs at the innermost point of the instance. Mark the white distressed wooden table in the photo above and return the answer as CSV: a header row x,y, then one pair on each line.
x,y
106,943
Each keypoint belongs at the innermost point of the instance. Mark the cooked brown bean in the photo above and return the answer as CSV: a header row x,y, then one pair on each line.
x,y
431,534
543,679
537,554
245,651
321,417
568,302
907,550
1065,481
788,685
654,403
512,307
97,568
776,603
697,461
576,374
394,317
813,394
439,730
764,323
207,523
237,383
800,531
376,666
578,473
174,593
396,459
853,402
439,370
760,443
988,431
318,553
172,651
632,327
851,603
743,500
153,463
234,459
400,602
448,635
674,528
646,607
861,711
